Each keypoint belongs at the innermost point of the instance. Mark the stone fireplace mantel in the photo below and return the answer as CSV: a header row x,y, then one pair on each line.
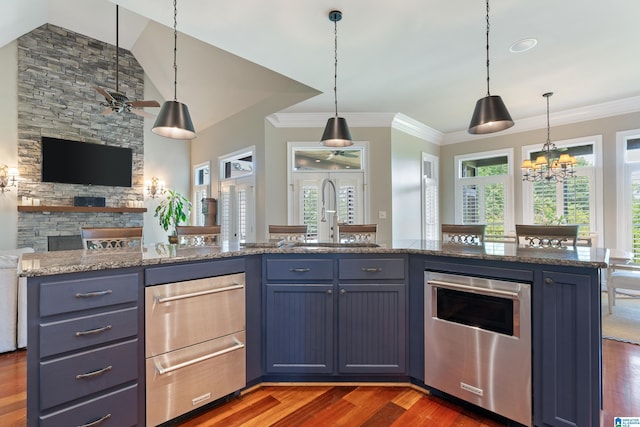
x,y
87,209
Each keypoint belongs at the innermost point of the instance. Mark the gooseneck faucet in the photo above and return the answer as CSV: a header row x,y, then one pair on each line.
x,y
334,226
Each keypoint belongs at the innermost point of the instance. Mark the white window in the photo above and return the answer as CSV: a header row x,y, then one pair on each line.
x,y
237,197
201,191
573,201
628,184
484,192
430,204
340,173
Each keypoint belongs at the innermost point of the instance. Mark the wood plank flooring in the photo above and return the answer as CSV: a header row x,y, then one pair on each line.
x,y
348,405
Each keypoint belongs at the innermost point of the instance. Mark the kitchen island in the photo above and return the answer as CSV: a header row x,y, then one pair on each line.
x,y
345,286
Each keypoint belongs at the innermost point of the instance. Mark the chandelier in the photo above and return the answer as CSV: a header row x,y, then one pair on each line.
x,y
550,166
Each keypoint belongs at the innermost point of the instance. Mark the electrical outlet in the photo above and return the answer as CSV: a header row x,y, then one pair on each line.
x,y
382,214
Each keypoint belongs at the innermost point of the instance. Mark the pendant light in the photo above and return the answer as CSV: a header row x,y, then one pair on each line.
x,y
550,166
336,132
174,120
490,114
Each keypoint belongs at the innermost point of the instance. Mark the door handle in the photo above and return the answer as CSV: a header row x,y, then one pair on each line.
x,y
197,294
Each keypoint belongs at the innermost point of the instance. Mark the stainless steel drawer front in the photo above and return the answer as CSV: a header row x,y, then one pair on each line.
x,y
185,379
181,314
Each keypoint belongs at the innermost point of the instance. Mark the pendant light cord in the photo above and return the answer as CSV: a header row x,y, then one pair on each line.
x,y
335,65
175,50
117,47
488,94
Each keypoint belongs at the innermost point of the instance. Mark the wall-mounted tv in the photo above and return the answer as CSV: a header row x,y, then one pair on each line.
x,y
73,162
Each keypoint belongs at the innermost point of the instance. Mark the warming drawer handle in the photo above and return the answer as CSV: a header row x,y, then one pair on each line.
x,y
372,269
198,294
93,294
163,371
93,331
300,270
474,289
96,422
94,373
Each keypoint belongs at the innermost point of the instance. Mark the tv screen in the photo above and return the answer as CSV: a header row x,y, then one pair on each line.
x,y
73,162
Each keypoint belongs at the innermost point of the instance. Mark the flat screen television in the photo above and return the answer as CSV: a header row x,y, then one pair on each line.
x,y
73,162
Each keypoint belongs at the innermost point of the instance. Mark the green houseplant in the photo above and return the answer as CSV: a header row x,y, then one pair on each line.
x,y
171,211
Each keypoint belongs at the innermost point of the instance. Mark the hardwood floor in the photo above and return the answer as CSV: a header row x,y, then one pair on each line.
x,y
370,406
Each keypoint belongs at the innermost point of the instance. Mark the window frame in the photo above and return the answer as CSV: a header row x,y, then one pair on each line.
x,y
623,180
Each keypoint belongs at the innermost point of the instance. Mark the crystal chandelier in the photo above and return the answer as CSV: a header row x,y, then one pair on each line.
x,y
549,166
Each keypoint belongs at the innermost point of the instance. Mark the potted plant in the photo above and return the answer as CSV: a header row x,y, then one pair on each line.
x,y
173,210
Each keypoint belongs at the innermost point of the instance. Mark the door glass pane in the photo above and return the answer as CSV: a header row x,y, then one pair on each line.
x,y
327,159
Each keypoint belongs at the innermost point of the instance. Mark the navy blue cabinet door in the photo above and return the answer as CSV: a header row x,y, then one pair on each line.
x,y
299,332
372,328
568,361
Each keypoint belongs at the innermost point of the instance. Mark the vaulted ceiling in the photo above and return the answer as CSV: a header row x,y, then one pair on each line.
x,y
425,59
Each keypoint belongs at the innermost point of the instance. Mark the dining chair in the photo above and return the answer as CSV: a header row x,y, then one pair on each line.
x,y
289,233
198,235
621,274
115,238
463,233
357,233
547,236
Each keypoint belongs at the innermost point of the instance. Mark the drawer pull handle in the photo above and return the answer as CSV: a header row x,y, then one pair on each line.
x,y
166,370
372,269
93,294
96,422
94,373
198,294
300,270
93,331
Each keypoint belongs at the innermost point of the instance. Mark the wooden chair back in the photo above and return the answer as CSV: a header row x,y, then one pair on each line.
x,y
547,236
358,233
198,235
289,233
111,238
463,233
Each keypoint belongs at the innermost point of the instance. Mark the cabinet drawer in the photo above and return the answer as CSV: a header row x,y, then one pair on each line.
x,y
81,294
180,314
299,269
185,379
72,377
119,408
79,332
371,268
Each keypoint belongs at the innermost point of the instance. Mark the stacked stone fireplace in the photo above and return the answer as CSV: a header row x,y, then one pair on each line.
x,y
57,74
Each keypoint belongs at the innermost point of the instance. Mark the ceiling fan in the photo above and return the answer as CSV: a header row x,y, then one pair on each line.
x,y
117,102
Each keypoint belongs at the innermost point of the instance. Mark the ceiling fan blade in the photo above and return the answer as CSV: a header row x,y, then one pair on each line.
x,y
107,111
140,104
143,113
104,93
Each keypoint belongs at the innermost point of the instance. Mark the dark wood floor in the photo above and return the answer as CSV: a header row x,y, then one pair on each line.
x,y
371,406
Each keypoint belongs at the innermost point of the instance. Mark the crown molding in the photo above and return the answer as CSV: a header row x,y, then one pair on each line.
x,y
575,115
397,121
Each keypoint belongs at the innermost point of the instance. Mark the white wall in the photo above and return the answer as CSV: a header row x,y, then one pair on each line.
x,y
166,159
9,141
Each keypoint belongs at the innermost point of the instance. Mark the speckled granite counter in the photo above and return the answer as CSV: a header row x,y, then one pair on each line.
x,y
59,262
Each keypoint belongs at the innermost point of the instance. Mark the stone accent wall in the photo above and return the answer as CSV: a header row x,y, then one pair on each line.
x,y
57,74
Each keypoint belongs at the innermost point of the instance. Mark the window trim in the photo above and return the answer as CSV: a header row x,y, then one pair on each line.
x,y
623,238
597,223
509,217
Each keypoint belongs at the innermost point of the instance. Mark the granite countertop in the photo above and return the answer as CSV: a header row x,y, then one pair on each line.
x,y
60,262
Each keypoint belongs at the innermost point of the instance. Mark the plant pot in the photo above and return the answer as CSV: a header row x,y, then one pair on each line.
x,y
173,239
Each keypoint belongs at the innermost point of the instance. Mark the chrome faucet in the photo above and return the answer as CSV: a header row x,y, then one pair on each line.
x,y
334,227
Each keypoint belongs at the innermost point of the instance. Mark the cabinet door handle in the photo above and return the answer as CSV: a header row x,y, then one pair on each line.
x,y
371,269
93,294
200,293
300,270
96,422
93,331
94,373
548,281
329,291
343,291
168,369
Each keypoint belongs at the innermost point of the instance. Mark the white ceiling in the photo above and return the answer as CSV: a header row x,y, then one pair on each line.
x,y
422,58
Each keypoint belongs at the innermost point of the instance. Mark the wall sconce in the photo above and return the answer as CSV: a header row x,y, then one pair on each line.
x,y
8,178
155,187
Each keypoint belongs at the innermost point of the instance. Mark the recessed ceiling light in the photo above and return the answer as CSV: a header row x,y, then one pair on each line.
x,y
523,45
